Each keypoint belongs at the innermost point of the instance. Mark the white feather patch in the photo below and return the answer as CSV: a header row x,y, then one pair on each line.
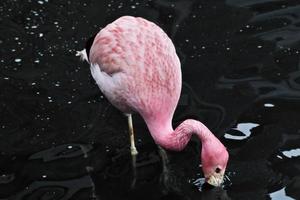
x,y
82,54
105,82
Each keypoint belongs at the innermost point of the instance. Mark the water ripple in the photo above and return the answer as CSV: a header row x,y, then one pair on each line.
x,y
62,190
62,151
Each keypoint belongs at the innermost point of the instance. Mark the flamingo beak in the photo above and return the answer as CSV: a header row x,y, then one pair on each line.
x,y
216,179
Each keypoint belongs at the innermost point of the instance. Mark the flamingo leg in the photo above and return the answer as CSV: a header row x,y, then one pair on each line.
x,y
164,158
133,150
167,178
165,175
131,135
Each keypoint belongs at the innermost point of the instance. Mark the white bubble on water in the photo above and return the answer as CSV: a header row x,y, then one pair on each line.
x,y
17,60
269,105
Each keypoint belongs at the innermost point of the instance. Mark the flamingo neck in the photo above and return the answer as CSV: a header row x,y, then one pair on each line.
x,y
177,139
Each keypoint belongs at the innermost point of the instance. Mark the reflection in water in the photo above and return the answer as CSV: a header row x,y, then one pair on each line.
x,y
276,21
63,190
291,153
215,193
182,10
6,178
280,195
244,129
195,107
286,35
45,185
264,89
57,132
199,183
62,151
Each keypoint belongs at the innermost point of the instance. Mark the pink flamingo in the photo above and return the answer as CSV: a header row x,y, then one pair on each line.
x,y
136,67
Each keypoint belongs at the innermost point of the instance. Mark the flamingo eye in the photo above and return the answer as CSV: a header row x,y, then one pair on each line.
x,y
218,170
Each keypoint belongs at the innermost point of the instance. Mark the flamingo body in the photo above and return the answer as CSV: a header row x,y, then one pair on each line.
x,y
135,65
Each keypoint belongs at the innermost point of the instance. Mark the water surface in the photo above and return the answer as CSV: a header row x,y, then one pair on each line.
x,y
61,139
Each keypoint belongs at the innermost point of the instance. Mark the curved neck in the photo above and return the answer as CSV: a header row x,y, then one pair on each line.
x,y
177,139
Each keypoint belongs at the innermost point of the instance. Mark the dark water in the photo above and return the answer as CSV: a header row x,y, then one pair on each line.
x,y
61,139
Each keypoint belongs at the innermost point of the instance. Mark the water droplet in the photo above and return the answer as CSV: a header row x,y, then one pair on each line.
x,y
133,7
198,183
17,60
269,105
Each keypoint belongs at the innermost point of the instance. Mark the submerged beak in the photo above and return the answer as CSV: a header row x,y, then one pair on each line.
x,y
216,179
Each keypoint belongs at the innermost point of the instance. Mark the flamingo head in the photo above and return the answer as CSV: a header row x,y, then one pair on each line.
x,y
214,157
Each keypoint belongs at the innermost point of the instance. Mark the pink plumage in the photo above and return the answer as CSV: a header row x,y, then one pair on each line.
x,y
135,65
142,66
